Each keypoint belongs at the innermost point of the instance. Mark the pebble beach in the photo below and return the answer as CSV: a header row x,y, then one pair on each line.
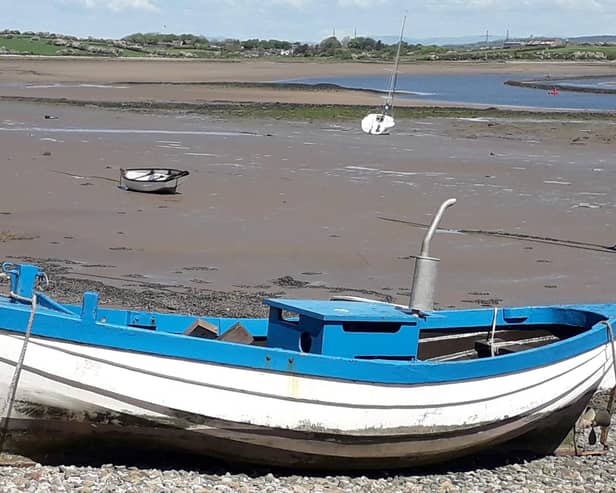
x,y
549,475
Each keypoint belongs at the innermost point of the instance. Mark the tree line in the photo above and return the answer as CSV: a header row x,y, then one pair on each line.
x,y
330,46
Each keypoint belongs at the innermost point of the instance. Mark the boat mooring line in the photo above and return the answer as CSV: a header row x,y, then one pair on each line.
x,y
493,332
514,236
7,408
89,177
610,403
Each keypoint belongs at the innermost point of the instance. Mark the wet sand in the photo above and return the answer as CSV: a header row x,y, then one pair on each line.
x,y
305,201
91,79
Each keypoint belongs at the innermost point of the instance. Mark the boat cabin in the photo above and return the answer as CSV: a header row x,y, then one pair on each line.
x,y
381,331
343,328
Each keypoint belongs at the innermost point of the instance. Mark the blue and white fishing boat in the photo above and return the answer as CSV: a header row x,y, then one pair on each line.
x,y
320,384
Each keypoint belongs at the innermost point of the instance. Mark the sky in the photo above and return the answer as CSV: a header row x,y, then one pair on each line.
x,y
312,20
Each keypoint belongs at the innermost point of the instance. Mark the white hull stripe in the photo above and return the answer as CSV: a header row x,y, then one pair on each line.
x,y
588,359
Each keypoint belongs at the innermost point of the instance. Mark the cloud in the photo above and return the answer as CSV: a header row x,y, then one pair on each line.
x,y
301,4
364,4
509,5
120,5
248,5
292,3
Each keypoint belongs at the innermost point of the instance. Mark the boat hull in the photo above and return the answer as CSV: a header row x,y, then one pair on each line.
x,y
152,187
377,123
122,439
151,180
73,393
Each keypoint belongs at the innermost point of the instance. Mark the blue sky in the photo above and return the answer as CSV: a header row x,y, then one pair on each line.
x,y
312,20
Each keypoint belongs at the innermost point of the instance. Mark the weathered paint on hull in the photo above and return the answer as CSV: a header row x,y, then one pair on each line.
x,y
151,187
50,437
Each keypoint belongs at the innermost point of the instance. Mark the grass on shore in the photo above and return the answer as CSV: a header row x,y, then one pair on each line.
x,y
347,113
307,112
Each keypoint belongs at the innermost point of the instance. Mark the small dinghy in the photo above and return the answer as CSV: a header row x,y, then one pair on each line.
x,y
152,180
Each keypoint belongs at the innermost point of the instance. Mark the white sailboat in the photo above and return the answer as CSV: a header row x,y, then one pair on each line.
x,y
380,123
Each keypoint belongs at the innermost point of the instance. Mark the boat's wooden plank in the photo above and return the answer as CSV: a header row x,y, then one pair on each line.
x,y
237,333
202,328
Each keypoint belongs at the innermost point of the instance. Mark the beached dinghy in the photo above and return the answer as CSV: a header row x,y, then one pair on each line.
x,y
319,384
154,180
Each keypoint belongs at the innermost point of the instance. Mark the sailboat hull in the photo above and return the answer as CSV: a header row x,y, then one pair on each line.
x,y
380,123
377,123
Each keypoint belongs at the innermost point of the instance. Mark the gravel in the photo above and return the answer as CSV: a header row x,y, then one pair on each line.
x,y
568,474
546,475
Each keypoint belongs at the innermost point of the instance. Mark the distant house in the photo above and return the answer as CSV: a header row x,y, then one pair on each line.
x,y
546,42
513,44
534,43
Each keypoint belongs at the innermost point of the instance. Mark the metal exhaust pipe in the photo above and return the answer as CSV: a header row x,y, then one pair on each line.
x,y
426,268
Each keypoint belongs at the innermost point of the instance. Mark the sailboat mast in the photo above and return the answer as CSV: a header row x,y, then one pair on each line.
x,y
380,123
394,76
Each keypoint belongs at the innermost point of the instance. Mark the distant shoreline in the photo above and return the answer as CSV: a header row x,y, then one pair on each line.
x,y
197,85
78,68
561,84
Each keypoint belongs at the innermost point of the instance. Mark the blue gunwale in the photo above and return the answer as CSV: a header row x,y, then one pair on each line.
x,y
52,324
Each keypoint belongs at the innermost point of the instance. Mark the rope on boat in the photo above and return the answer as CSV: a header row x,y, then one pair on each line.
x,y
610,403
493,332
7,408
20,298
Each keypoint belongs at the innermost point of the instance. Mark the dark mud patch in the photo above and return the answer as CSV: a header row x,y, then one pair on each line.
x,y
290,282
12,236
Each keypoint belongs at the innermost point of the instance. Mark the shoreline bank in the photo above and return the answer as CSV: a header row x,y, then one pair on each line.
x,y
163,84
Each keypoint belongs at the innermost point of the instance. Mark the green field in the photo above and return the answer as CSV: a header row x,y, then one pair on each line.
x,y
25,44
184,46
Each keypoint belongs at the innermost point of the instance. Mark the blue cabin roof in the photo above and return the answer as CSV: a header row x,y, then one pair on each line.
x,y
335,311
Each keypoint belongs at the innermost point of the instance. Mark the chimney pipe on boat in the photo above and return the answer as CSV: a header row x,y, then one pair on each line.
x,y
424,277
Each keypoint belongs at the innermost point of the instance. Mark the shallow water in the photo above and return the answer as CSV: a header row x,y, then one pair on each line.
x,y
479,89
591,82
